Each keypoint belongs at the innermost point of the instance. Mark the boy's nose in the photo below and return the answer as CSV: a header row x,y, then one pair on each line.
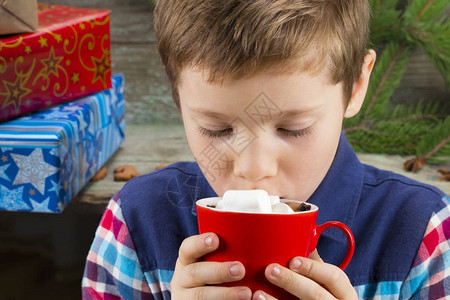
x,y
259,160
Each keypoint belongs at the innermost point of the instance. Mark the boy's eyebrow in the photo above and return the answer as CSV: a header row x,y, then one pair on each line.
x,y
208,113
284,114
298,112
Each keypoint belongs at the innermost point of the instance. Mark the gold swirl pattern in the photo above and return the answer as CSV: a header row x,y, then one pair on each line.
x,y
67,41
52,65
2,65
90,45
100,66
3,45
57,85
56,36
99,23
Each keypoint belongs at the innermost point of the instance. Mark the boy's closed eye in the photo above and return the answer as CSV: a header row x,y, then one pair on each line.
x,y
222,133
296,133
215,133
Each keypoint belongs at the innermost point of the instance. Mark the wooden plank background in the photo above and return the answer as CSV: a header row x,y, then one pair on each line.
x,y
148,97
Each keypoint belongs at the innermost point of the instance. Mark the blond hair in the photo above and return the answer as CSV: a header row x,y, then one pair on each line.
x,y
240,38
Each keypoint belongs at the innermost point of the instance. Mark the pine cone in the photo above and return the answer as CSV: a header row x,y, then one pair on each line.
x,y
445,174
414,165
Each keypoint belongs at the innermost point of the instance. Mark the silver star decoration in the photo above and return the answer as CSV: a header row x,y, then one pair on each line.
x,y
42,206
61,151
12,199
33,169
56,114
91,123
2,172
54,187
71,107
83,123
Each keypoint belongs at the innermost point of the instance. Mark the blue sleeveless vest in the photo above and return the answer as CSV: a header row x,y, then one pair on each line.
x,y
387,213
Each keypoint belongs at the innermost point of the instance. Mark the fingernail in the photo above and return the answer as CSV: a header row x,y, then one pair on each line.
x,y
260,296
243,294
296,263
208,241
235,270
275,271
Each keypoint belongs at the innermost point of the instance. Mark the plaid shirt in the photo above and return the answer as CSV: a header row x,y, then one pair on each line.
x,y
113,270
401,229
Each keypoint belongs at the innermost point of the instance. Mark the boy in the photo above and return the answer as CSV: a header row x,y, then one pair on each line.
x,y
262,87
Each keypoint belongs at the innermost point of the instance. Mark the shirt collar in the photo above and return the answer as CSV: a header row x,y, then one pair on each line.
x,y
339,192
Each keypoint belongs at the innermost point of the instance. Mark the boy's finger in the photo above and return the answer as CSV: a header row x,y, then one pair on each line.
x,y
196,246
219,293
202,273
315,255
327,275
296,284
259,295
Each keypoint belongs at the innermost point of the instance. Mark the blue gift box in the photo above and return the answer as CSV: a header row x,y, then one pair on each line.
x,y
46,158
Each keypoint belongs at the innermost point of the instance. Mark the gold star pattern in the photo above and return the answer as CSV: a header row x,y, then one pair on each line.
x,y
75,77
82,26
68,62
101,67
15,93
51,63
4,158
28,49
43,41
32,192
58,37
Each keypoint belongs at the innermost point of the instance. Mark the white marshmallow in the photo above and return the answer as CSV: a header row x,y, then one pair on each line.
x,y
281,208
274,200
245,201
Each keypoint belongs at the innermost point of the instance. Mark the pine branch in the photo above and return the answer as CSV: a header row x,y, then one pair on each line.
x,y
424,11
435,39
385,22
434,138
422,129
425,24
402,131
437,148
442,156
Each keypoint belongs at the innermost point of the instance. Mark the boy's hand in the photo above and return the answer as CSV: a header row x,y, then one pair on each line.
x,y
309,278
192,278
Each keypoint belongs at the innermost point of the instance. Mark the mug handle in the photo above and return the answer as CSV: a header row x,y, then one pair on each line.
x,y
348,235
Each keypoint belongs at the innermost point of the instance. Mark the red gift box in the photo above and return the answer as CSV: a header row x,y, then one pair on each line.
x,y
66,58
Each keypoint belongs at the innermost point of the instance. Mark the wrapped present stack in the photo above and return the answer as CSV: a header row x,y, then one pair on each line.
x,y
61,109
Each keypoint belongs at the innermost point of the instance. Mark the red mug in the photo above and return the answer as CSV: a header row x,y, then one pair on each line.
x,y
259,239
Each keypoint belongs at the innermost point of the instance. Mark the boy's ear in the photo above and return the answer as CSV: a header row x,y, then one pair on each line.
x,y
360,86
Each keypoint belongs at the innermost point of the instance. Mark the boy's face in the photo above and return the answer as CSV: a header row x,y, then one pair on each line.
x,y
277,133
